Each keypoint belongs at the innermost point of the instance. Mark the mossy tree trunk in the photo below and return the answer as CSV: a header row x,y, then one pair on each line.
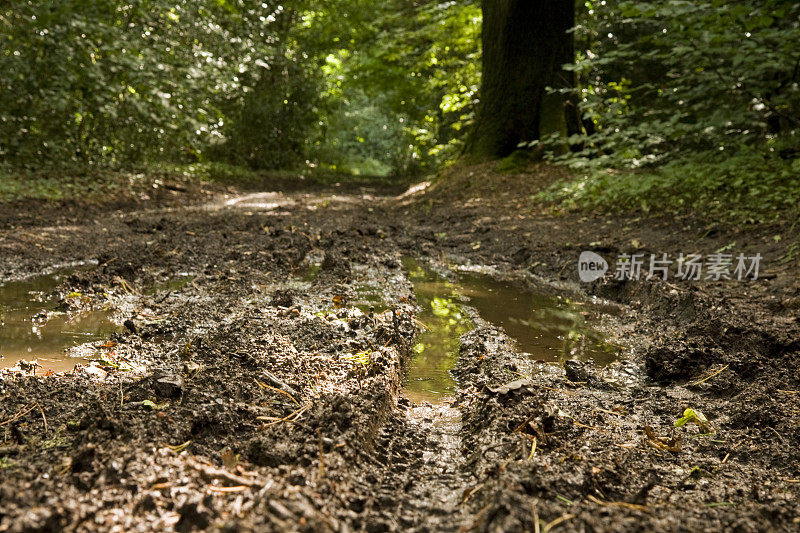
x,y
525,43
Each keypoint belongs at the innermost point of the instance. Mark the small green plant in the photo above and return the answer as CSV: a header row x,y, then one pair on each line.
x,y
362,357
694,416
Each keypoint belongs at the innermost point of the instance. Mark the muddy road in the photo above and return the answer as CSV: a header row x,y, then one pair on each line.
x,y
357,359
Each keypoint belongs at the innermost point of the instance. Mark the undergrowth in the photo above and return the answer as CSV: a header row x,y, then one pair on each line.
x,y
90,184
745,187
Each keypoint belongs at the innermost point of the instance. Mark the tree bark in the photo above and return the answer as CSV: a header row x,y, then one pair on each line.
x,y
525,43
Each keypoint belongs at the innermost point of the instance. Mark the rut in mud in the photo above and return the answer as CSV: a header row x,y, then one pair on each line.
x,y
320,360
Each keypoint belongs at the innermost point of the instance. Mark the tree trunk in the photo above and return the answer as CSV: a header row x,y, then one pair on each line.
x,y
525,42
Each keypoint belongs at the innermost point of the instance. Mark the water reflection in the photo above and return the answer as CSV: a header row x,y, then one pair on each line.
x,y
32,328
436,348
546,327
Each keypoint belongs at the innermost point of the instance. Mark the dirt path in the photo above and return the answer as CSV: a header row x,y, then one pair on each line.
x,y
256,383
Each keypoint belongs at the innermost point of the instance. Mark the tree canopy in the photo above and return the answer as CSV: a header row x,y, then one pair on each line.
x,y
389,87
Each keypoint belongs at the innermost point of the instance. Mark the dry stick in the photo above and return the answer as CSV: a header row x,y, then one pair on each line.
x,y
668,284
710,375
521,426
125,285
468,494
211,472
783,441
478,518
587,427
321,444
419,323
44,418
554,523
609,412
238,488
290,418
265,386
278,383
22,412
533,449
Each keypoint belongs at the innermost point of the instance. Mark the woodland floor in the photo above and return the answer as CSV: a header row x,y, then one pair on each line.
x,y
255,397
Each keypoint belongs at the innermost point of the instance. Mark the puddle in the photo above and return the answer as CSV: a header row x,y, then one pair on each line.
x,y
553,329
436,348
311,272
370,299
173,284
32,328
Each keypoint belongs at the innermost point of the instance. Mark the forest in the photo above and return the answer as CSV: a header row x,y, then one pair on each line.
x,y
413,265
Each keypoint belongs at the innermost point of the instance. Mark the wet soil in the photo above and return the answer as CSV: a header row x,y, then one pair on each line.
x,y
261,378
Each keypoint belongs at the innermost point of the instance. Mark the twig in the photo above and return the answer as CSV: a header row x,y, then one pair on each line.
x,y
22,412
469,492
290,418
44,418
554,523
533,449
587,427
125,285
783,441
521,426
710,375
237,488
265,386
608,412
278,383
419,323
177,448
668,284
210,472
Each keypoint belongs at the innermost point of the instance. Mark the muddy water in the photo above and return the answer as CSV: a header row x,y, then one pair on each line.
x,y
175,283
545,327
31,327
436,348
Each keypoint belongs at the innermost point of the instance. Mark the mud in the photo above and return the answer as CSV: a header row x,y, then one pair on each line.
x,y
257,383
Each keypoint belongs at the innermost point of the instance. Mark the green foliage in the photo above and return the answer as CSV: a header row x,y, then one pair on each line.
x,y
701,99
115,82
661,78
402,84
367,87
69,184
750,186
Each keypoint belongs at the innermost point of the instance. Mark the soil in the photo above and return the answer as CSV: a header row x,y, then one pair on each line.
x,y
255,396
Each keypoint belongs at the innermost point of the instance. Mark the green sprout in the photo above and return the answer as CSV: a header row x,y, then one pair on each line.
x,y
694,416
